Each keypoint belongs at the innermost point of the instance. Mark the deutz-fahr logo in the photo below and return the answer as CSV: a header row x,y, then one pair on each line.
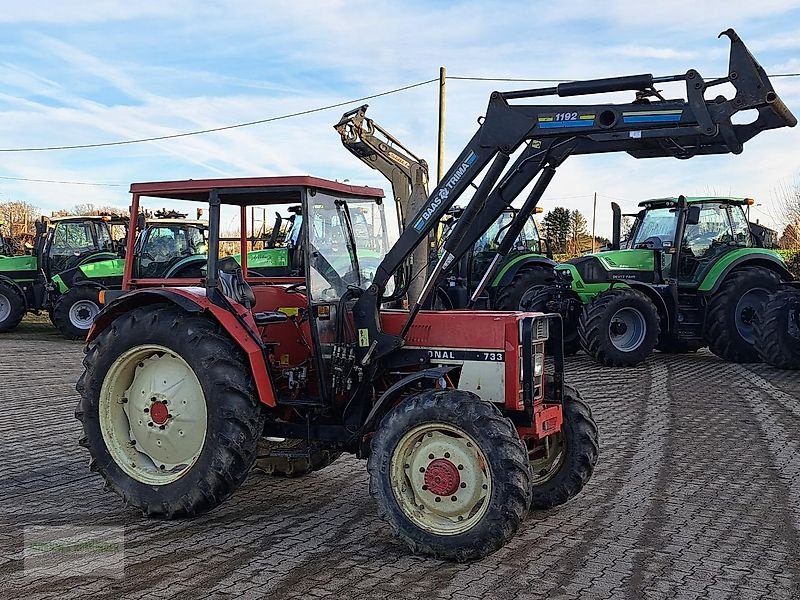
x,y
444,192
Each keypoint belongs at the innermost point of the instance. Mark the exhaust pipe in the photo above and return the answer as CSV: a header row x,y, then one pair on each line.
x,y
617,226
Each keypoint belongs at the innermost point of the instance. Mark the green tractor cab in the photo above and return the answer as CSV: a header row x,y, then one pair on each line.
x,y
31,283
691,274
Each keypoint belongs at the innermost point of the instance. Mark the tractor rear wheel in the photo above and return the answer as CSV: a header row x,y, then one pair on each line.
x,y
777,330
74,312
12,307
619,328
563,463
536,299
169,411
449,474
291,458
510,297
733,310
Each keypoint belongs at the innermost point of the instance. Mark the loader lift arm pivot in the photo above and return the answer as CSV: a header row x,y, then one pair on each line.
x,y
645,128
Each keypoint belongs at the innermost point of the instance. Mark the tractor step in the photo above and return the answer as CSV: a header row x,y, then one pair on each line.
x,y
691,317
306,403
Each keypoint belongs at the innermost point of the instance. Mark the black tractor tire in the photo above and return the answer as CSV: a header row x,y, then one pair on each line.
x,y
573,466
722,332
234,421
536,299
777,330
508,297
12,307
292,466
597,319
671,345
70,325
506,460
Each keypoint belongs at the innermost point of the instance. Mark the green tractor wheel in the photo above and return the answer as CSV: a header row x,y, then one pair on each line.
x,y
619,328
12,307
777,330
536,298
75,311
733,310
511,296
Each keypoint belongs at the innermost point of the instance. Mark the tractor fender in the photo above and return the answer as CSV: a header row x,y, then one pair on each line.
x,y
10,282
519,263
653,295
183,263
390,396
194,300
716,276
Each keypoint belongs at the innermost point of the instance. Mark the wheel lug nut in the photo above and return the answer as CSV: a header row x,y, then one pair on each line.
x,y
431,456
161,427
422,469
424,487
438,499
150,424
453,498
463,485
147,410
486,487
460,467
447,455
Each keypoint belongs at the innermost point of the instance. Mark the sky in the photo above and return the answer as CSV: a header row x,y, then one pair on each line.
x,y
94,71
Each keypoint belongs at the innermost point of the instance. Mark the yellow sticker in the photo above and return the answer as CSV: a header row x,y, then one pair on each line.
x,y
289,311
284,359
363,337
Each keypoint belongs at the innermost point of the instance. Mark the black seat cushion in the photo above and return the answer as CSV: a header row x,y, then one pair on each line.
x,y
236,288
267,318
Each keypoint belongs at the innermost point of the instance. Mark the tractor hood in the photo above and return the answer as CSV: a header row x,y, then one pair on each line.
x,y
639,260
614,265
16,264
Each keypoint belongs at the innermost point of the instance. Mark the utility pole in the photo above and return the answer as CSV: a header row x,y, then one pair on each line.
x,y
594,218
440,156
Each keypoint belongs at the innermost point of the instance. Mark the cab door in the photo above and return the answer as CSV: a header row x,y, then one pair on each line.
x,y
705,243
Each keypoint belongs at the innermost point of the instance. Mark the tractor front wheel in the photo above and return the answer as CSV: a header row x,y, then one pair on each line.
x,y
449,474
12,307
563,463
619,328
777,330
733,310
169,411
510,297
74,312
537,298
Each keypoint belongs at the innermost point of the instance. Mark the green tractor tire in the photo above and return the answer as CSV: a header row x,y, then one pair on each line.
x,y
732,312
511,296
619,327
536,298
12,307
777,330
74,312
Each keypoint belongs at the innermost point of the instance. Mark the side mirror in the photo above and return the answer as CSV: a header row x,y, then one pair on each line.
x,y
141,222
693,215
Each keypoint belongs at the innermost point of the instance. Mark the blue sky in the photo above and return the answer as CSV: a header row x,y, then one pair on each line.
x,y
105,70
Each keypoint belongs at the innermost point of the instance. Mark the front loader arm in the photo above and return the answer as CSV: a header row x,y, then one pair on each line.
x,y
644,128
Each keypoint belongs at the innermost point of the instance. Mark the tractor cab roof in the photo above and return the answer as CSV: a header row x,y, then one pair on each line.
x,y
657,202
245,191
193,222
88,218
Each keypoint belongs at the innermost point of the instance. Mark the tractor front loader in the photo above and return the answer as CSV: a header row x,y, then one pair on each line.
x,y
464,416
519,274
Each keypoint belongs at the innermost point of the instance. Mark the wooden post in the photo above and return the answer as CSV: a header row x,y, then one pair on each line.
x,y
440,156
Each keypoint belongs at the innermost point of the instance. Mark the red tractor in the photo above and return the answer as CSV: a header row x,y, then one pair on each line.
x,y
463,415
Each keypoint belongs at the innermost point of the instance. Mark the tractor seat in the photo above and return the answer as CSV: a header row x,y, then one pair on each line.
x,y
233,285
269,318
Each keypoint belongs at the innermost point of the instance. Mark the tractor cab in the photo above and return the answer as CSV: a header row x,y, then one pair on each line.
x,y
170,246
71,241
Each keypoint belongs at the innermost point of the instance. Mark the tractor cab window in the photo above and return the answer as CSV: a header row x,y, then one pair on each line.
x,y
165,246
486,246
104,241
656,223
71,242
704,242
347,241
741,227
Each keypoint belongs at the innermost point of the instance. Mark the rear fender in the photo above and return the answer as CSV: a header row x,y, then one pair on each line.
x,y
193,300
519,263
738,259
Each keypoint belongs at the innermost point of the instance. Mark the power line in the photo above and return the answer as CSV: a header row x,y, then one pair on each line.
x,y
223,128
296,114
62,182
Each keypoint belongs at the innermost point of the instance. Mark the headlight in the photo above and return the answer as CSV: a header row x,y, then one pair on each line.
x,y
538,365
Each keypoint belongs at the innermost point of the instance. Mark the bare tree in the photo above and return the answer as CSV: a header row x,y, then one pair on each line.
x,y
18,218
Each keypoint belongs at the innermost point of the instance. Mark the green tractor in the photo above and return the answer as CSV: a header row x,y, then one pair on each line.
x,y
690,275
28,283
168,246
777,328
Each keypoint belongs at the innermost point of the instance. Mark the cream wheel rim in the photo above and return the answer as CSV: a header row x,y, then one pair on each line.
x,y
153,414
441,479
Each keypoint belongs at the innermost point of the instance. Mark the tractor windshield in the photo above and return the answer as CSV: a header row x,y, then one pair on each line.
x,y
348,238
659,223
528,239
